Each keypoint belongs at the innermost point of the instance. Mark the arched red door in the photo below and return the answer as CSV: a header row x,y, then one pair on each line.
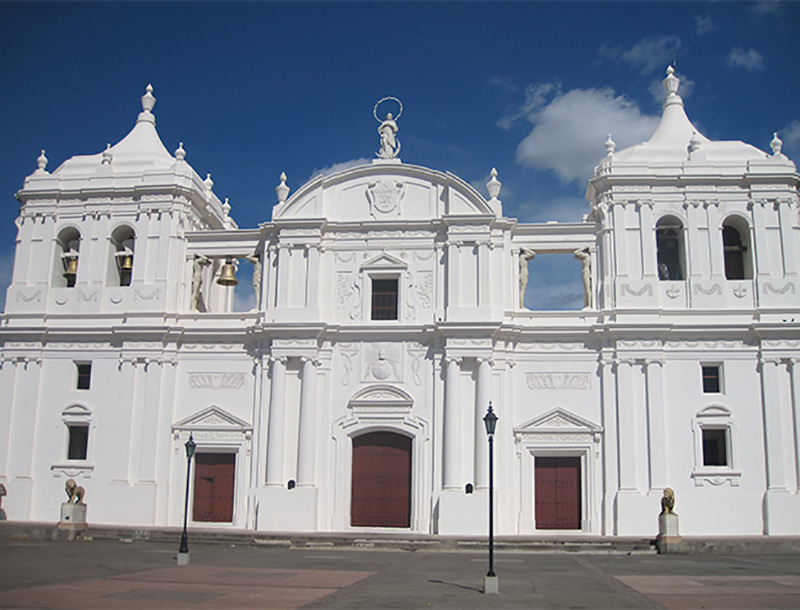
x,y
381,486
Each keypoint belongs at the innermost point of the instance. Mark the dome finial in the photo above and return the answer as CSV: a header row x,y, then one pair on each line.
x,y
180,154
41,161
776,144
148,100
226,207
671,83
494,185
108,156
610,145
209,183
282,190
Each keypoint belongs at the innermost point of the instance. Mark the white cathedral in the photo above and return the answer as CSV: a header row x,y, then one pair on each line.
x,y
389,315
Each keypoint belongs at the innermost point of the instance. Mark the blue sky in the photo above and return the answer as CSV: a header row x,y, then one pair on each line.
x,y
253,89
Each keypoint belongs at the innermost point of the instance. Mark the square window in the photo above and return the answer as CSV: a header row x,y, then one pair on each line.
x,y
712,378
715,447
78,442
384,299
84,375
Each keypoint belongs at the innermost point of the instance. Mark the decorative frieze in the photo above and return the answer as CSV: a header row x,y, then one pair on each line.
x,y
216,381
557,381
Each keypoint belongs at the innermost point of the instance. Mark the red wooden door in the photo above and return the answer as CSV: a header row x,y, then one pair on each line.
x,y
381,487
214,474
558,493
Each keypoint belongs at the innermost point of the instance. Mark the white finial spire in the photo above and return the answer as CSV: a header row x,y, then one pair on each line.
x,y
209,183
148,101
282,190
776,144
41,161
671,84
494,185
180,154
226,207
610,145
108,156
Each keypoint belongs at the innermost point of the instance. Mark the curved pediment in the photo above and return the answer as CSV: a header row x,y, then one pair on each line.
x,y
385,191
381,396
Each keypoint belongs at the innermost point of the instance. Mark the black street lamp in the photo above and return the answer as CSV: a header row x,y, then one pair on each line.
x,y
490,421
183,551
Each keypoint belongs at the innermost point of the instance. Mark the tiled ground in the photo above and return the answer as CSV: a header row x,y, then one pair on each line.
x,y
729,592
189,587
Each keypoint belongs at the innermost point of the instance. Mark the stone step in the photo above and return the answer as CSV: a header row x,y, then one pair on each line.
x,y
338,541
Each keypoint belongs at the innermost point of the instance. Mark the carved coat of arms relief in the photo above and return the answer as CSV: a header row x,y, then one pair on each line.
x,y
384,198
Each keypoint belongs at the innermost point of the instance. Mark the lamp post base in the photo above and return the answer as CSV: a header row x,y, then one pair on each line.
x,y
491,585
183,558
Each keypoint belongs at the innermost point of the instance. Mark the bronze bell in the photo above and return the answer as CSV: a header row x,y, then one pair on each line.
x,y
126,266
125,269
227,277
71,271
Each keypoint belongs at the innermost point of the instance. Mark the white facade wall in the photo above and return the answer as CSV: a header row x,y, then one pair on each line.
x,y
615,389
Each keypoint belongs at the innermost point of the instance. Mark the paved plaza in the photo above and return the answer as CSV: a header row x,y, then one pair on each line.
x,y
144,575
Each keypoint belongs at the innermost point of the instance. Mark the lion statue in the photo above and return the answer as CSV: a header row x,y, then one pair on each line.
x,y
74,491
668,502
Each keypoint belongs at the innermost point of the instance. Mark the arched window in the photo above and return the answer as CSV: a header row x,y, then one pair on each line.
x,y
735,241
67,252
123,244
670,249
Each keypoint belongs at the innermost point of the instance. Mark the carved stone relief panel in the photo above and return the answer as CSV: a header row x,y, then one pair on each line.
x,y
382,362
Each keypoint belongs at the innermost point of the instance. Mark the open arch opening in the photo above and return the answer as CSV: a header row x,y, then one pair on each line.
x,y
736,250
67,252
670,249
122,246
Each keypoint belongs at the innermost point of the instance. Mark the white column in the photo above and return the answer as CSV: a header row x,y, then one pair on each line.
x,y
451,469
483,394
453,274
656,424
626,438
277,427
696,250
483,274
282,288
794,369
761,252
312,277
716,251
306,444
787,213
620,239
773,424
649,263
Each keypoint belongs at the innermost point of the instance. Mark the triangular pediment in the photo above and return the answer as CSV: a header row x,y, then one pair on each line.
x,y
384,261
212,418
558,420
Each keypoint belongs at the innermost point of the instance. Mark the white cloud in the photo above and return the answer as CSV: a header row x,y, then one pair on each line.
x,y
338,167
570,129
649,54
536,96
791,137
684,90
772,8
703,24
749,60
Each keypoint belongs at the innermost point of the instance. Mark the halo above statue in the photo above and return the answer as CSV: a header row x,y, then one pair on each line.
x,y
390,145
388,98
